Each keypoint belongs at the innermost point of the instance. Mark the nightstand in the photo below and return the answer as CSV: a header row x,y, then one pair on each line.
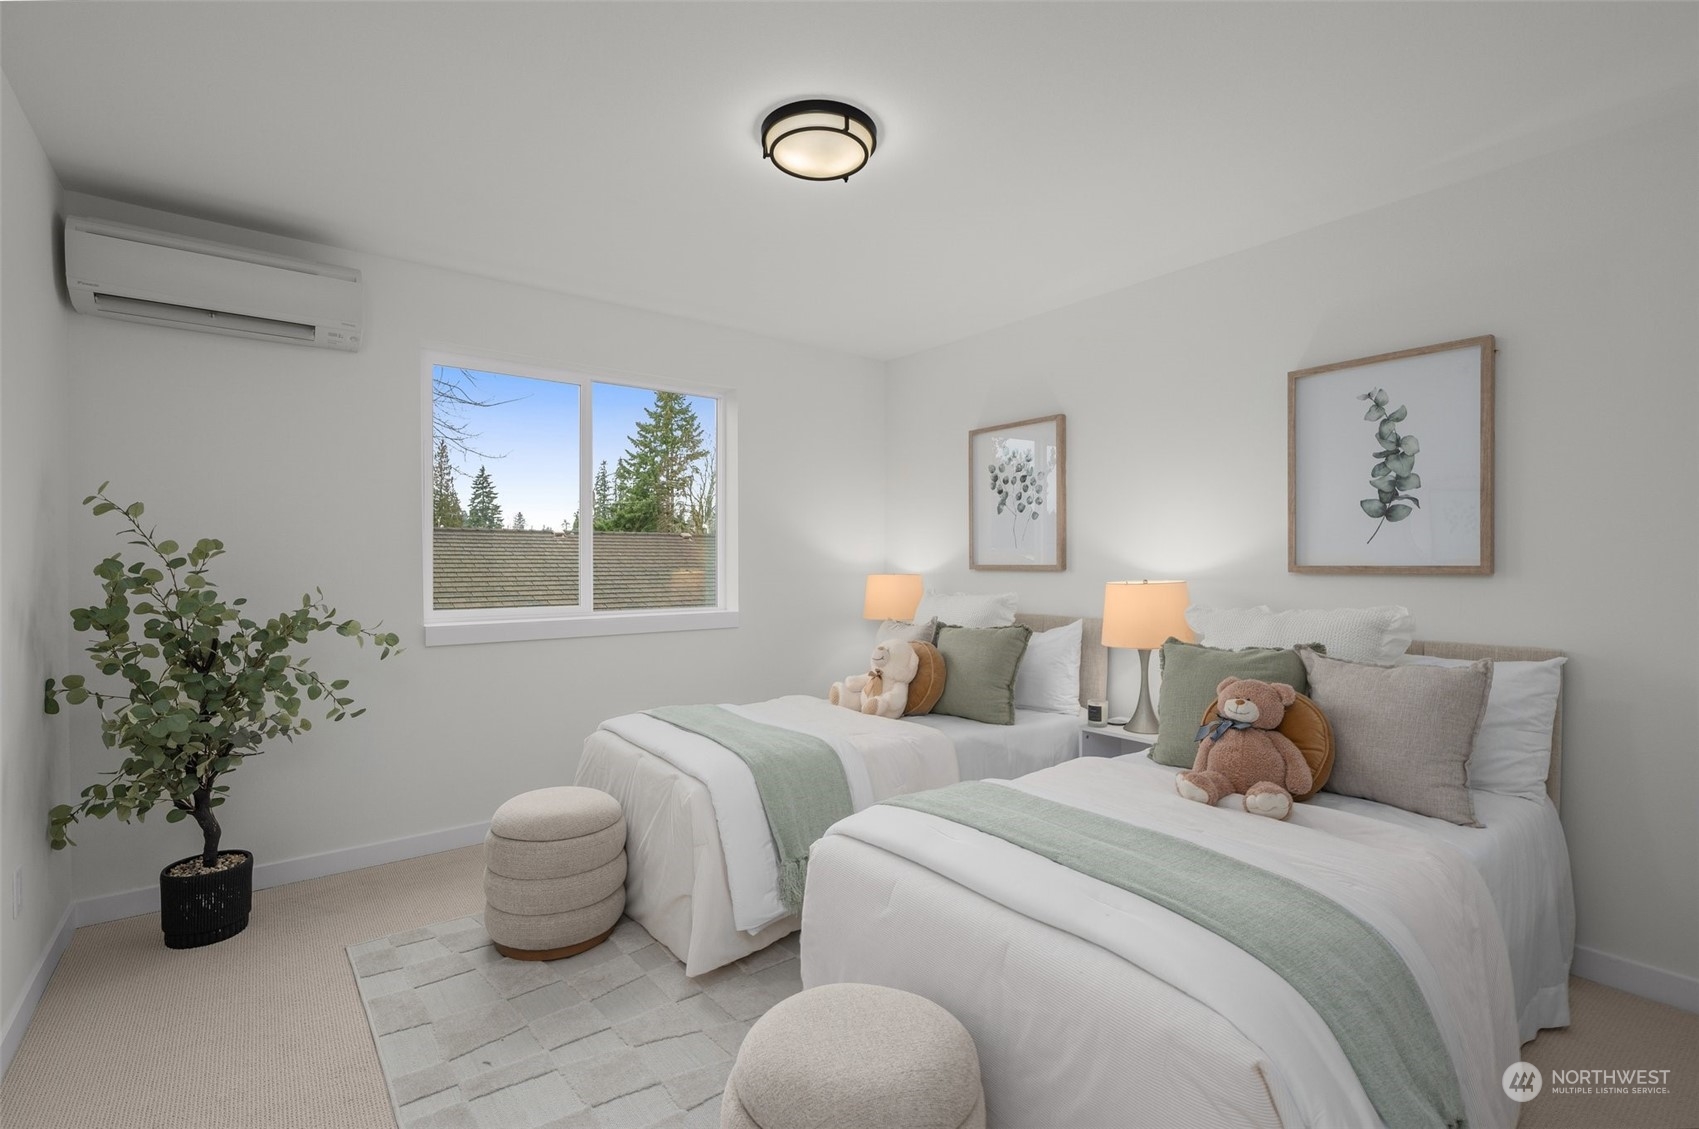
x,y
1112,741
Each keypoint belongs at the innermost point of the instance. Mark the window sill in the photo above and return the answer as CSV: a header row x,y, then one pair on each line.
x,y
573,627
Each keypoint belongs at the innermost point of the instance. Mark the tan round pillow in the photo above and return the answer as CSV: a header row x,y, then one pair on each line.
x,y
927,686
1306,727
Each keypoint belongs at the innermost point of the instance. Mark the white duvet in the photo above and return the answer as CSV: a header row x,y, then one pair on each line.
x,y
1424,898
881,758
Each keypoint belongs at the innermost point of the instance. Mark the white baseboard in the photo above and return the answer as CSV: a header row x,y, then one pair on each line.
x,y
18,1022
1637,979
131,903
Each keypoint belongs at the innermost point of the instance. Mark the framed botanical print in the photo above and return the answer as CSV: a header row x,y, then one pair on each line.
x,y
1017,496
1389,463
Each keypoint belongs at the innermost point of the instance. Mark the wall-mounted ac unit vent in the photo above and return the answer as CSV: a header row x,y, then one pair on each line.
x,y
120,271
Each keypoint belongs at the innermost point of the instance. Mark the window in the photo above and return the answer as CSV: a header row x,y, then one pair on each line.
x,y
564,504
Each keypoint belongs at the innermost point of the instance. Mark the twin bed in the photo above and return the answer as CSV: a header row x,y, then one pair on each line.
x,y
684,855
1095,1004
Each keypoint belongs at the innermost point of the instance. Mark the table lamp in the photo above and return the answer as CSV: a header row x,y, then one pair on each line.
x,y
1144,614
892,595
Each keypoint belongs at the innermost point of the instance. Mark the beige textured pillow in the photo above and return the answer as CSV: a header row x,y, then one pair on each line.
x,y
1402,734
893,630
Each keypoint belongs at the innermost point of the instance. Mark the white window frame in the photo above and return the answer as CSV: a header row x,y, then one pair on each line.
x,y
451,626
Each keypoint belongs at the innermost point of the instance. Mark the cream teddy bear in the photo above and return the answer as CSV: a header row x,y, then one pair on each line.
x,y
883,690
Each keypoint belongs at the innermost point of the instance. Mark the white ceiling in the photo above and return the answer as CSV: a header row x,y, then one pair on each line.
x,y
1030,155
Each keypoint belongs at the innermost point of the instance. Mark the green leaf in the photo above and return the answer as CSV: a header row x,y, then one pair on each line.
x,y
1400,464
134,510
176,815
166,548
1409,482
1398,416
1409,445
1380,396
1374,507
1397,513
1375,412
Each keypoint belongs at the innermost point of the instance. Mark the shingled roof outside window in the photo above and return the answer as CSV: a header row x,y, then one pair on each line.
x,y
511,568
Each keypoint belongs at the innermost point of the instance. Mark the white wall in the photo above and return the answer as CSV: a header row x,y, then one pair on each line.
x,y
33,626
1583,264
307,464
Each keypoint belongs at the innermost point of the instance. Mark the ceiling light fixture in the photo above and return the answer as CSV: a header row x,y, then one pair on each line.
x,y
818,139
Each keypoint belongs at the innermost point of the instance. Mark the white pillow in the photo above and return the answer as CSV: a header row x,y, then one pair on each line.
x,y
1513,747
1359,635
1049,675
965,609
894,629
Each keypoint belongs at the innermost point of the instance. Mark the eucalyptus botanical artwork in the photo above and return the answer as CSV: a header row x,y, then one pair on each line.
x,y
1017,495
1019,485
1437,522
1393,477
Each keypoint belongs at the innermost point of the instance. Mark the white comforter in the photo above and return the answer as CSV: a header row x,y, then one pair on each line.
x,y
1424,898
881,758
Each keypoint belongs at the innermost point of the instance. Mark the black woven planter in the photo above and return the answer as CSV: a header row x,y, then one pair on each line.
x,y
203,909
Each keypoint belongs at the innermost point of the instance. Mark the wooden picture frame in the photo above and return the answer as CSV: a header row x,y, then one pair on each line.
x,y
1356,469
1017,496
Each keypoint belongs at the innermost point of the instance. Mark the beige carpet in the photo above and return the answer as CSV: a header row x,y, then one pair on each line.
x,y
267,1030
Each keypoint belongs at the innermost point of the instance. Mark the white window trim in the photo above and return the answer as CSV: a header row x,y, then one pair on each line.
x,y
498,625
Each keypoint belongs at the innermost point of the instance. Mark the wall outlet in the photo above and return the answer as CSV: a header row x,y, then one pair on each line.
x,y
17,893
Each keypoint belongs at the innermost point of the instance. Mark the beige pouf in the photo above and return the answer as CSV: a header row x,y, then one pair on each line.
x,y
855,1054
554,872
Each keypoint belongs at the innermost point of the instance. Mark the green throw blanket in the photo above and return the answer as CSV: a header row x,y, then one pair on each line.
x,y
1346,970
799,778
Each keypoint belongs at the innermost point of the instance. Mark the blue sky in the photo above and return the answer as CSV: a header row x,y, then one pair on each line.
x,y
536,433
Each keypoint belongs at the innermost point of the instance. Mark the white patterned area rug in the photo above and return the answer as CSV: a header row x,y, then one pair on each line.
x,y
614,1038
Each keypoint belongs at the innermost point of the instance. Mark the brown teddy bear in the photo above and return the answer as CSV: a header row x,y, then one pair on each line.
x,y
1240,752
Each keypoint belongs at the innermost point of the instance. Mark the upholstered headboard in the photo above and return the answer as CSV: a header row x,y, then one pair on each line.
x,y
1554,778
1094,656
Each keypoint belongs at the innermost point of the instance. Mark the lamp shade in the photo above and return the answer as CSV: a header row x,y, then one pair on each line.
x,y
1144,614
891,595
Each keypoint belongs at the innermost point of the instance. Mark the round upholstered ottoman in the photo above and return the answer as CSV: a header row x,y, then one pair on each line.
x,y
554,872
855,1054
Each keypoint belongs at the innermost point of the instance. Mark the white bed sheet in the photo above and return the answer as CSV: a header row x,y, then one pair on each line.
x,y
1523,857
1036,740
876,916
677,884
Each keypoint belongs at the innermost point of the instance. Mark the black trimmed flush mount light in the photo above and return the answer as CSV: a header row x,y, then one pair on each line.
x,y
818,139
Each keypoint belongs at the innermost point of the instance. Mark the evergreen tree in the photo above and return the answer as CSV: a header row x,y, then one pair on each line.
x,y
483,511
604,499
654,477
446,511
519,521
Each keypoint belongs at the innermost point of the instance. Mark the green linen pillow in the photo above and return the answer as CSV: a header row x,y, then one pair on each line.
x,y
1190,674
979,671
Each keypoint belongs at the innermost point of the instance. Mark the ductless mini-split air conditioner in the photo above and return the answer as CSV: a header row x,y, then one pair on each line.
x,y
120,271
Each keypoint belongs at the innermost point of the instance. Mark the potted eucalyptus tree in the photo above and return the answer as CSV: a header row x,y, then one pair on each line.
x,y
193,686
